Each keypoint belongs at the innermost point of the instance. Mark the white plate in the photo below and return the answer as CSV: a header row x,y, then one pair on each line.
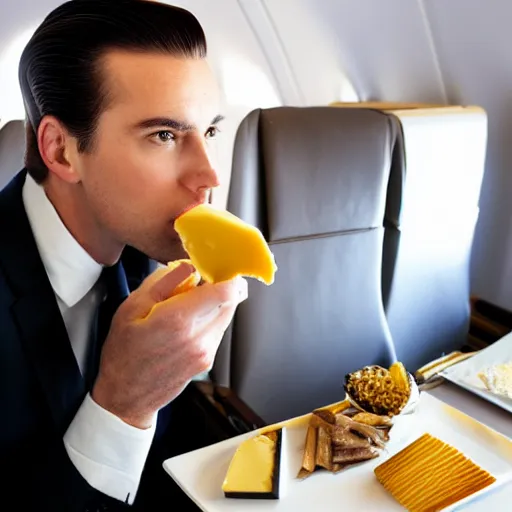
x,y
465,374
201,473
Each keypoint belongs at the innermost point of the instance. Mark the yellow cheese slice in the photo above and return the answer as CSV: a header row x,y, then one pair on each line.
x,y
252,467
222,246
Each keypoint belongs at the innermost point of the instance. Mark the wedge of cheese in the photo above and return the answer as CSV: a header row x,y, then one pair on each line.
x,y
222,246
256,470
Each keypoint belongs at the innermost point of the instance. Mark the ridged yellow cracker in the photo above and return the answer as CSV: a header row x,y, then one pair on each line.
x,y
429,475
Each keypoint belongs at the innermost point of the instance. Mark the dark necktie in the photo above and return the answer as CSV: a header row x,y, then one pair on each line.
x,y
115,290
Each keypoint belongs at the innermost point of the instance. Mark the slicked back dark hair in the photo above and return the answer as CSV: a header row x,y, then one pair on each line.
x,y
59,70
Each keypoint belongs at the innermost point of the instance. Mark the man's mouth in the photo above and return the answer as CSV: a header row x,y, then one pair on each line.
x,y
188,208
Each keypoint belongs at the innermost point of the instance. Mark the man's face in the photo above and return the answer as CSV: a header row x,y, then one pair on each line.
x,y
151,157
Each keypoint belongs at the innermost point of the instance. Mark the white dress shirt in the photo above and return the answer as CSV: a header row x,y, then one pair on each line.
x,y
108,453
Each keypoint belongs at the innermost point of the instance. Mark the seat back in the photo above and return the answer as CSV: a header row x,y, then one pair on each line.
x,y
12,150
433,198
314,180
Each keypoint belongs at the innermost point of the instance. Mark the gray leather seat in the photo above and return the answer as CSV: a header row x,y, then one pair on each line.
x,y
314,180
12,150
426,275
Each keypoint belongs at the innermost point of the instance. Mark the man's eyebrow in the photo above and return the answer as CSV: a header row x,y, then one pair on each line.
x,y
217,119
158,122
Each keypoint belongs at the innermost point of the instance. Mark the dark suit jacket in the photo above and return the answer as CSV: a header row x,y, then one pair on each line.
x,y
41,387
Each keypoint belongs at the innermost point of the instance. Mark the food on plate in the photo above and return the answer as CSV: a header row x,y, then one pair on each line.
x,y
190,282
328,413
352,455
372,419
353,442
368,433
498,379
324,449
381,391
400,376
221,246
256,471
309,456
334,440
357,429
429,475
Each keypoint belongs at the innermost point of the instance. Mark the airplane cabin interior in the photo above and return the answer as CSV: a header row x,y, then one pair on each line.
x,y
369,143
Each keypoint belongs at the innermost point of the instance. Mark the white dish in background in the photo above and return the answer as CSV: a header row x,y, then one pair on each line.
x,y
201,473
465,374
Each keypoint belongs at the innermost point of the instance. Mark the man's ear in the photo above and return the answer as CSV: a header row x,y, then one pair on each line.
x,y
56,145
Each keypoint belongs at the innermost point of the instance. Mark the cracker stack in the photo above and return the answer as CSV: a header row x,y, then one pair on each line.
x,y
430,475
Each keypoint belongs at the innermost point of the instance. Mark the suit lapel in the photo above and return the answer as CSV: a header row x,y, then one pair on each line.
x,y
36,313
44,336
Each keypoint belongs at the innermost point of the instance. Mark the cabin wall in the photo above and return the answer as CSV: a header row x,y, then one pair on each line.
x,y
455,52
308,52
473,41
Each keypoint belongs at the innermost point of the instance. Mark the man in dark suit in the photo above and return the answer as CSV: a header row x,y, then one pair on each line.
x,y
121,106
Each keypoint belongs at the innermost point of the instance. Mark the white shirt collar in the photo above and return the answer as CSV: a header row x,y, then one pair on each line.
x,y
71,270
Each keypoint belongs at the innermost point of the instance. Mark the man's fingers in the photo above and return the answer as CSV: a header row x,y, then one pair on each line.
x,y
163,288
202,305
223,320
202,300
158,287
211,336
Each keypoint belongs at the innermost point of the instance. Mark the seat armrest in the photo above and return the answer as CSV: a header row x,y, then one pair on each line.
x,y
229,408
205,414
489,323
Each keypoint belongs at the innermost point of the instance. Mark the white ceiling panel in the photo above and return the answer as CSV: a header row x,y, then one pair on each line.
x,y
382,48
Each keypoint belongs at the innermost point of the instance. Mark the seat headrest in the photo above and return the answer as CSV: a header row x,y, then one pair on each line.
x,y
12,150
319,170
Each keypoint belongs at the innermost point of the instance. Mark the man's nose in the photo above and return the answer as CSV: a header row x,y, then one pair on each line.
x,y
200,174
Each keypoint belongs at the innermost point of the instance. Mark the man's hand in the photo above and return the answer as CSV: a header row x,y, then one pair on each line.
x,y
158,343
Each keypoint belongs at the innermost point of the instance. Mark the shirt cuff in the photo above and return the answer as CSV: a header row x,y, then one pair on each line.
x,y
107,452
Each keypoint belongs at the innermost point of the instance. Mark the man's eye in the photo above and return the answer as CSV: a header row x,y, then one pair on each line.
x,y
211,132
164,136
